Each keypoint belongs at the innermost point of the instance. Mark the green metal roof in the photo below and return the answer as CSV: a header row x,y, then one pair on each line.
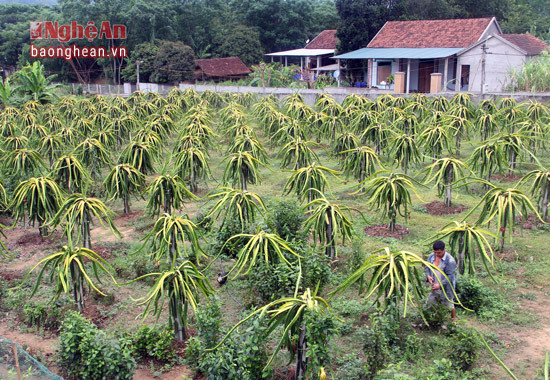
x,y
393,53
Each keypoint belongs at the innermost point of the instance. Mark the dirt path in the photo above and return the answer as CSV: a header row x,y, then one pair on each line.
x,y
528,344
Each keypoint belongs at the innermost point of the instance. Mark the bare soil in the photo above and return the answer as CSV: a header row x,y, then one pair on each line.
x,y
505,178
382,230
439,208
529,223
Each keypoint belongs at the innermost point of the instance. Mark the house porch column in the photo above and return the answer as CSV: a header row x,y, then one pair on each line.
x,y
445,74
408,86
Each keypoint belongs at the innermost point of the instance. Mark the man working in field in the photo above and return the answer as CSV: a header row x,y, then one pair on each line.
x,y
447,264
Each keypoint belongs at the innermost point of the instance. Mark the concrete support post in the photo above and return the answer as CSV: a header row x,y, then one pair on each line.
x,y
445,74
435,83
399,82
407,89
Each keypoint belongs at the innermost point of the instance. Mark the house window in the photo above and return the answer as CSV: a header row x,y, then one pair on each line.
x,y
465,78
384,71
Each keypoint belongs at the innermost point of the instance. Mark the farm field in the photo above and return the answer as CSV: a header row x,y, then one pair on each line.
x,y
316,219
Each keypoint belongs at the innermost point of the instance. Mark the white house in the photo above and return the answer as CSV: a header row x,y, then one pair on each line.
x,y
489,62
466,52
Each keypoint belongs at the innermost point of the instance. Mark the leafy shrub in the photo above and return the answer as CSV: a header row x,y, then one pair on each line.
x,y
486,302
320,328
465,347
88,353
393,372
270,282
376,347
208,321
242,356
40,315
285,217
471,292
437,315
348,307
315,269
156,342
350,367
230,228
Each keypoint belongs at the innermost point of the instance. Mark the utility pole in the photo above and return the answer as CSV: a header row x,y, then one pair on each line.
x,y
137,66
484,54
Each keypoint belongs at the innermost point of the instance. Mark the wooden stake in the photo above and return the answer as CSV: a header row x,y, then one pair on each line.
x,y
16,362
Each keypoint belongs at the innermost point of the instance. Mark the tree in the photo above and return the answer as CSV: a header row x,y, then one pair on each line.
x,y
539,188
445,172
360,162
306,180
174,63
240,41
77,213
504,205
298,153
464,241
241,169
236,203
122,181
38,198
291,314
180,285
68,271
329,223
169,235
70,172
395,275
192,163
167,192
145,53
389,194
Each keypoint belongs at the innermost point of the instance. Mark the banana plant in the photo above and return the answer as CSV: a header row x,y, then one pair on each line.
x,y
39,199
68,272
504,205
122,181
389,194
329,222
465,240
167,192
180,287
445,172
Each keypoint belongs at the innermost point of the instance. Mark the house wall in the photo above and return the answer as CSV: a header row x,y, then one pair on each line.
x,y
500,59
491,31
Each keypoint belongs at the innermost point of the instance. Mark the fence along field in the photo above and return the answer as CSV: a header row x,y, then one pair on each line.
x,y
316,218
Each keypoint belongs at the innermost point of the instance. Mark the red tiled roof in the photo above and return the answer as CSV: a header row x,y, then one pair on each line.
x,y
430,33
324,40
527,42
222,66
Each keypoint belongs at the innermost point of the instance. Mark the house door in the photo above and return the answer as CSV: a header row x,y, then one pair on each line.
x,y
425,69
465,78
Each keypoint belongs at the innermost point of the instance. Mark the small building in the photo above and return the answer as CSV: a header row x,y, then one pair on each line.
x,y
315,55
462,53
499,55
221,69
